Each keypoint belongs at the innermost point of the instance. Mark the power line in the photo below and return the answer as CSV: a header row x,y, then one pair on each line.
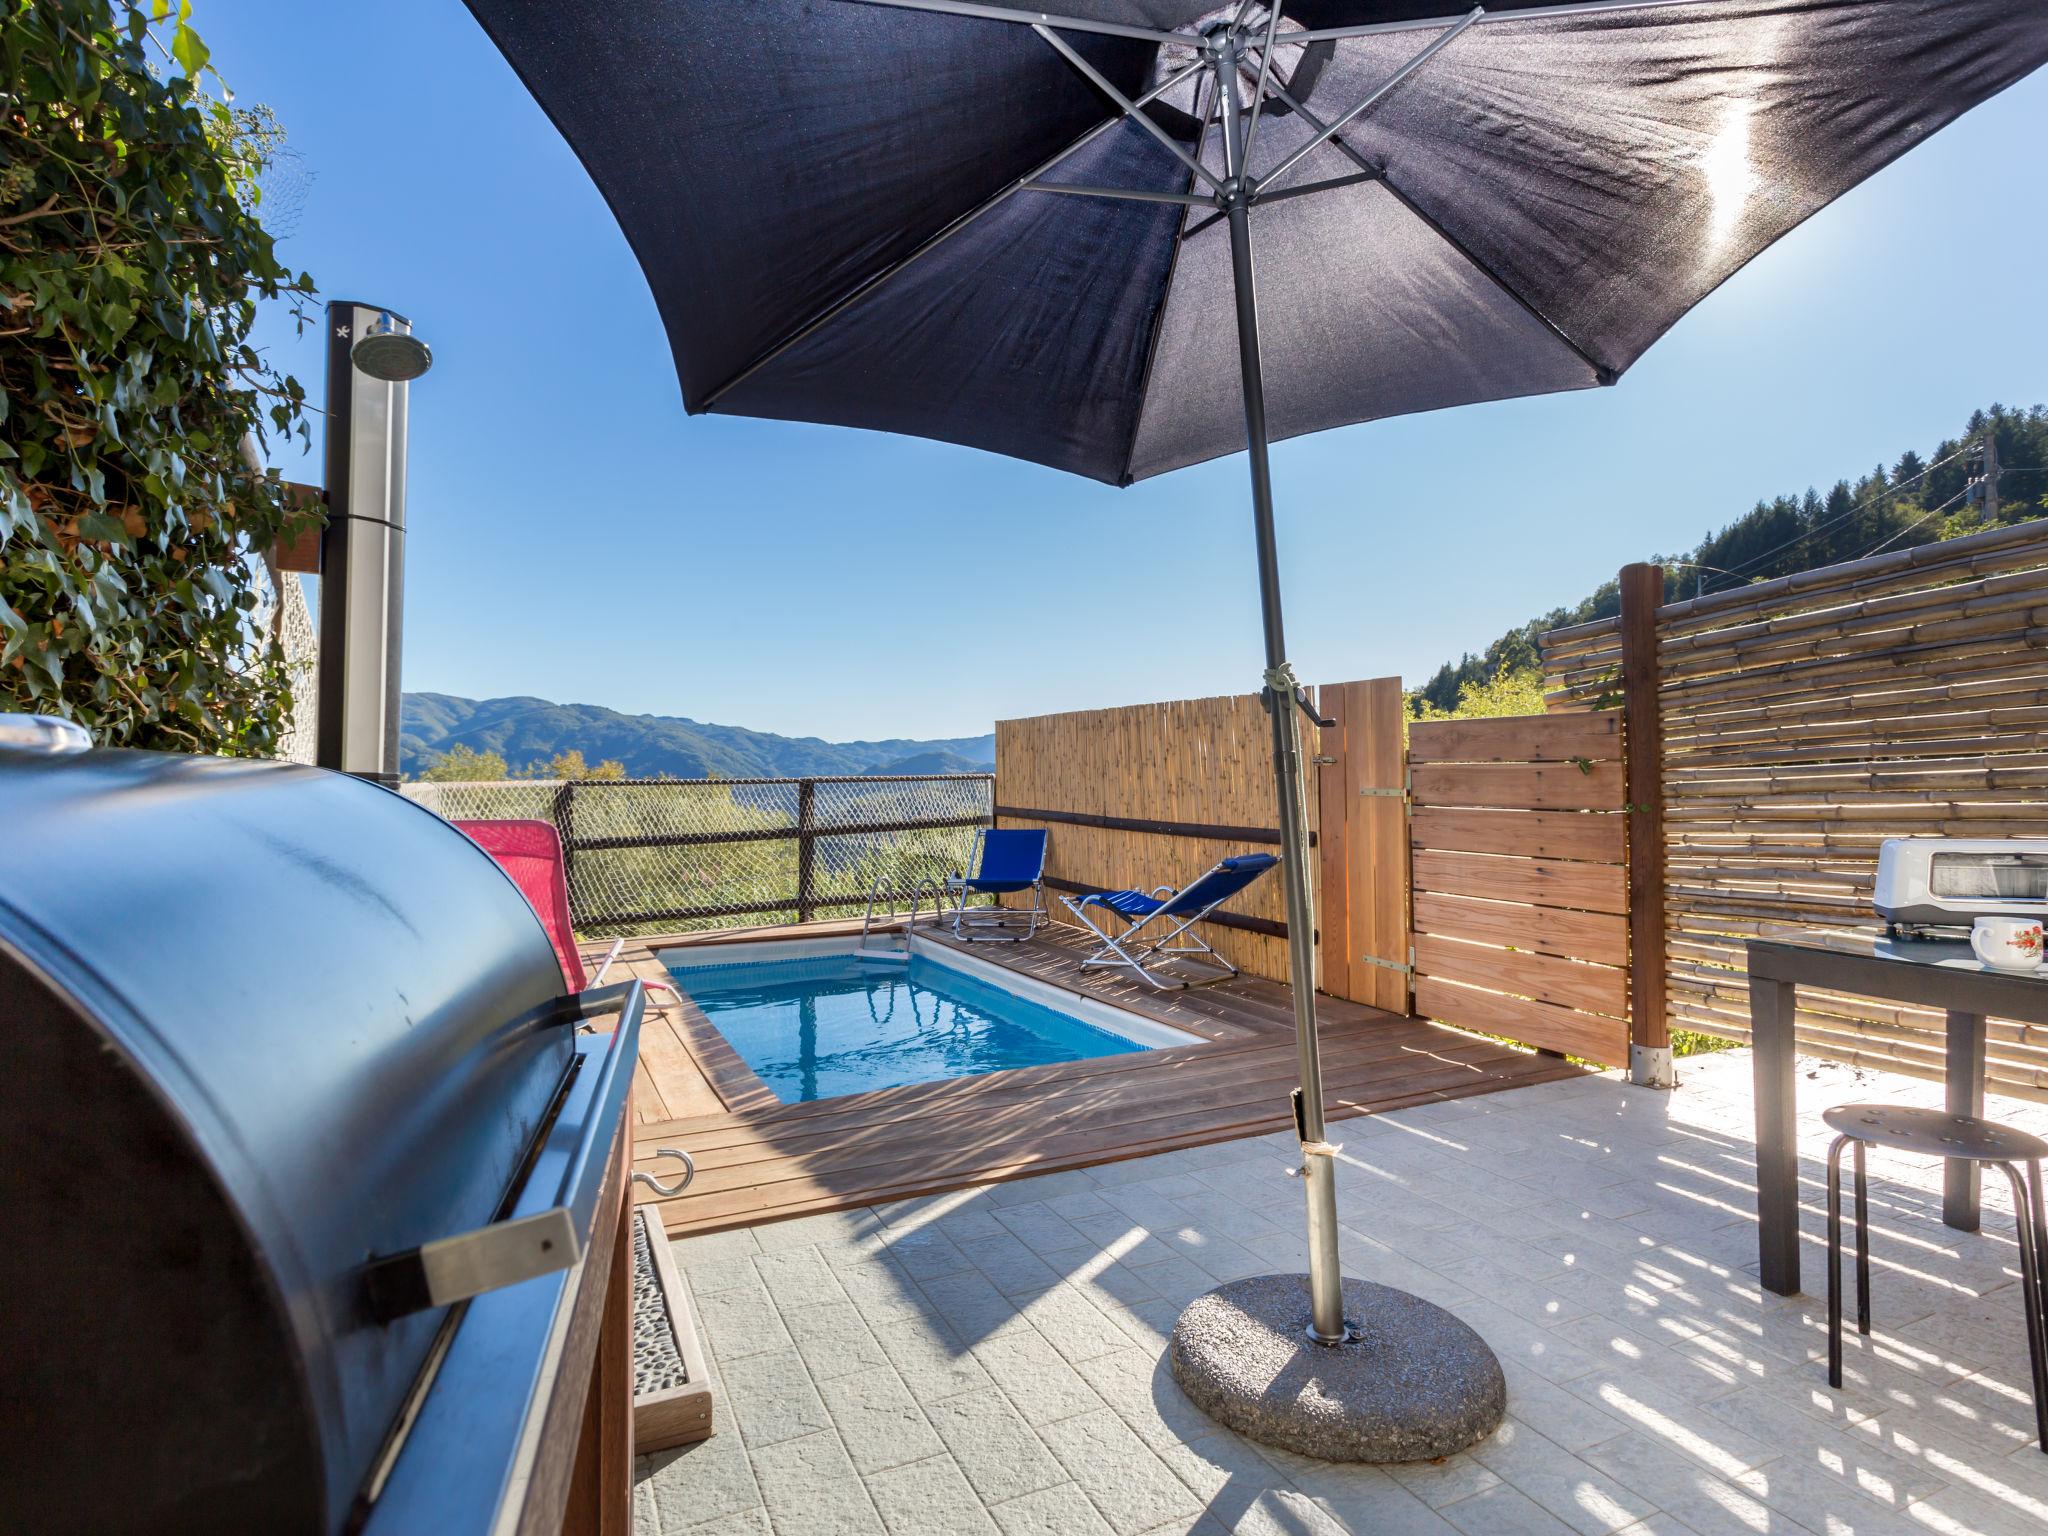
x,y
1871,500
1924,517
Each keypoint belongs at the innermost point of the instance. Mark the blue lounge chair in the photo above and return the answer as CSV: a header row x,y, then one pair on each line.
x,y
1176,912
1005,860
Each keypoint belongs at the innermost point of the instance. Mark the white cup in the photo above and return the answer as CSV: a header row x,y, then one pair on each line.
x,y
2007,943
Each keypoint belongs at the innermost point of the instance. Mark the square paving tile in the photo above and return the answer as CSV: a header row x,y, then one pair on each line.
x,y
991,1360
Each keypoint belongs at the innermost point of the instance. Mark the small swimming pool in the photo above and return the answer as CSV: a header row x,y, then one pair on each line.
x,y
818,1025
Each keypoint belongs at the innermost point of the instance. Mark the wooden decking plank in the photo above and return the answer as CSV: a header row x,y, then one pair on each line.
x,y
1247,1004
681,1218
968,1159
1193,1085
1104,1122
1016,1082
760,1159
668,1067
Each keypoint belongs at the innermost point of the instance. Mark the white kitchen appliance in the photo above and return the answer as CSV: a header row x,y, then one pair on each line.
x,y
1938,882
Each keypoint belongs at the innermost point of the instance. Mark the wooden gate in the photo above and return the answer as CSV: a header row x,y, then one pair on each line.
x,y
1362,845
1521,880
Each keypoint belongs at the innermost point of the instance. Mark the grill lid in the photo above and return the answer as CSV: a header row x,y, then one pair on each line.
x,y
265,1024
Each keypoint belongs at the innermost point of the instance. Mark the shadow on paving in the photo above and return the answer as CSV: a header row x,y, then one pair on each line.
x,y
1006,1342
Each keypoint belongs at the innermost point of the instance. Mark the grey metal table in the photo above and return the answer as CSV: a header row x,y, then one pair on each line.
x,y
1929,973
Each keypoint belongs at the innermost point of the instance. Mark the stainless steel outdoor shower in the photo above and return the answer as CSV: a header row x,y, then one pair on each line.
x,y
372,356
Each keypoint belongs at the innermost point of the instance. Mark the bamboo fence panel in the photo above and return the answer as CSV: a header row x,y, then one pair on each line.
x,y
1197,761
1806,720
1521,890
1582,666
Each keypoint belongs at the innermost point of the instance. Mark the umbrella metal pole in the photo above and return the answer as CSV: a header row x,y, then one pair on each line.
x,y
1318,1161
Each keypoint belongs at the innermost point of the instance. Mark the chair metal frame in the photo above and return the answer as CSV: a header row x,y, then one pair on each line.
x,y
1196,950
2031,1234
1001,925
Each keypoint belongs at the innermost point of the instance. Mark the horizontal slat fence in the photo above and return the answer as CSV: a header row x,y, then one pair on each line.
x,y
1198,771
1521,882
1806,720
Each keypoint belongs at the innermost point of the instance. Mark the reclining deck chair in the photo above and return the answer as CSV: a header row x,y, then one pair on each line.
x,y
1005,860
1174,912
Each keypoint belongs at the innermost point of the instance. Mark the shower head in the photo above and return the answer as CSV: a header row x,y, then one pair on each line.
x,y
385,352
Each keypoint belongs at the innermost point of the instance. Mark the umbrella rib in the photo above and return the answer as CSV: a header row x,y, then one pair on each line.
x,y
1328,184
1033,18
1100,81
1207,117
1074,189
931,242
1436,45
1601,371
1251,133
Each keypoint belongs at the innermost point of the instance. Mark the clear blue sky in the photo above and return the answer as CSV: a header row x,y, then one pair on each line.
x,y
576,536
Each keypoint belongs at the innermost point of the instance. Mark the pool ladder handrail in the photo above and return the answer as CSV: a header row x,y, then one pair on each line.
x,y
917,891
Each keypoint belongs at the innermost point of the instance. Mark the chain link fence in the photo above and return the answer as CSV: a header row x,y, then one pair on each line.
x,y
675,855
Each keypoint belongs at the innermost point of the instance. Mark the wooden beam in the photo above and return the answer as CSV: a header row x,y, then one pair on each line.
x,y
1598,837
1539,882
1516,739
1203,830
1587,785
1642,594
1542,1025
1601,937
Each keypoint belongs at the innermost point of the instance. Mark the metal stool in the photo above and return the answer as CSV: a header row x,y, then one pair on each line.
x,y
1936,1133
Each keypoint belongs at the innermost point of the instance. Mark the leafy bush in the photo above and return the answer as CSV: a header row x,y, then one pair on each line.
x,y
131,264
462,765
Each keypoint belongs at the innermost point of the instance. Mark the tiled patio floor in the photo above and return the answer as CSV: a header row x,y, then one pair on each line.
x,y
991,1360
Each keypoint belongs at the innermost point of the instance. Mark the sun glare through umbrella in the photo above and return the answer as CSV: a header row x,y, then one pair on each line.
x,y
1731,176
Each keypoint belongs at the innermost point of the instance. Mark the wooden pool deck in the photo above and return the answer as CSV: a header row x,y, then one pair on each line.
x,y
759,1159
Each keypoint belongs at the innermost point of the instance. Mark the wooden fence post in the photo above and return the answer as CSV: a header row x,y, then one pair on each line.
x,y
1649,1036
806,804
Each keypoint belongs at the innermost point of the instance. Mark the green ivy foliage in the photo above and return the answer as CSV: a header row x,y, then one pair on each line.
x,y
132,260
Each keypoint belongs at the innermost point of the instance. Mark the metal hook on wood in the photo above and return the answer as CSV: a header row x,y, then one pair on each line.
x,y
669,1191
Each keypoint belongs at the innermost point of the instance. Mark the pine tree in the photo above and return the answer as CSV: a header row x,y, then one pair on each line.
x,y
1920,501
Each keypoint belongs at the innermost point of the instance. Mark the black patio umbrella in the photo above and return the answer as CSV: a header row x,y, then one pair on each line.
x,y
1036,233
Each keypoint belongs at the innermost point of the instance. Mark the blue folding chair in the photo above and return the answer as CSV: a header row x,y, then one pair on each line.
x,y
1005,860
1176,912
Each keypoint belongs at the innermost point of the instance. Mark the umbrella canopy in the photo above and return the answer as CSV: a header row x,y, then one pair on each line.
x,y
824,196
1034,233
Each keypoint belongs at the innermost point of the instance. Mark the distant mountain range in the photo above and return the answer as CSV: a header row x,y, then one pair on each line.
x,y
524,730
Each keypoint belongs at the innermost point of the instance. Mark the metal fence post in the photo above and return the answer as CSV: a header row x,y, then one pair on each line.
x,y
806,804
564,813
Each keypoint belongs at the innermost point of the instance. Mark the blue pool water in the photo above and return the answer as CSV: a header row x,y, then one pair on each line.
x,y
821,1027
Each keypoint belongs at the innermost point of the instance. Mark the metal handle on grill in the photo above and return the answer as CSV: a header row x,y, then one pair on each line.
x,y
505,1252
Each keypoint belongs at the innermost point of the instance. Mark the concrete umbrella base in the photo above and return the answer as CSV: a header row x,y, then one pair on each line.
x,y
1414,1384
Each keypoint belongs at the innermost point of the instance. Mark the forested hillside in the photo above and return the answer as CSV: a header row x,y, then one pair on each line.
x,y
523,732
1917,500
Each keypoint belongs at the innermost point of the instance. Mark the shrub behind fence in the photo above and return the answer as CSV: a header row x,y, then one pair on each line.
x,y
674,855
